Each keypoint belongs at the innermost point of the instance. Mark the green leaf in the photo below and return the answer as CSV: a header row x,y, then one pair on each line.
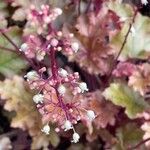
x,y
3,6
124,96
15,34
10,62
128,135
3,14
121,9
138,43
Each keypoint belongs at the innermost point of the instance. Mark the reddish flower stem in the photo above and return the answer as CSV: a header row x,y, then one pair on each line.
x,y
88,6
55,77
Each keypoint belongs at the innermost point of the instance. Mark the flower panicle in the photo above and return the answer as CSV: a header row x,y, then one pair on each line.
x,y
58,90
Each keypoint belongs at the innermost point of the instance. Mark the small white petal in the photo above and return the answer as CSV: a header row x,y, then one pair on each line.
x,y
58,11
83,86
59,48
91,115
46,129
61,89
144,2
67,125
75,46
62,72
32,75
24,47
75,137
38,98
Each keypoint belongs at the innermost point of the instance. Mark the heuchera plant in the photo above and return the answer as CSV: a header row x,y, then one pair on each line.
x,y
86,63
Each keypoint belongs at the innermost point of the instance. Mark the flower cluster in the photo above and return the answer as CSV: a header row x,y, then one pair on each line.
x,y
33,48
41,19
57,97
52,100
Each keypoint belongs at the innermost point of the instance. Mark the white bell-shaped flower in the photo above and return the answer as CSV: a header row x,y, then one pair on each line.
x,y
38,98
58,11
91,115
24,47
67,125
144,2
75,137
46,129
62,72
61,89
75,46
83,86
32,75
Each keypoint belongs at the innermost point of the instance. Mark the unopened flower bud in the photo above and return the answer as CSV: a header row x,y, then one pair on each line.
x,y
91,115
83,86
59,33
71,35
59,48
40,55
46,129
54,42
75,137
61,90
62,72
67,125
47,19
38,98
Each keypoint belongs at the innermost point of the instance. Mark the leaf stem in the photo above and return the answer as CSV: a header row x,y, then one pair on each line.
x,y
122,47
18,51
139,144
7,49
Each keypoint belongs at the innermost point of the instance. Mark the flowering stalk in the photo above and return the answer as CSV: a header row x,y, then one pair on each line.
x,y
54,69
53,92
